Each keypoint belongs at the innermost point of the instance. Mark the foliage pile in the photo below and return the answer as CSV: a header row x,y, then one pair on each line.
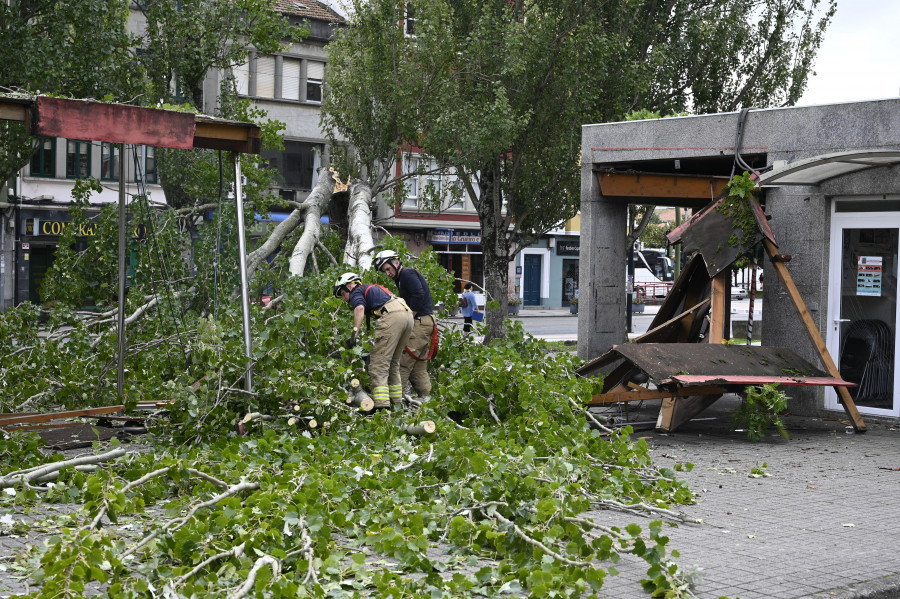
x,y
761,410
492,503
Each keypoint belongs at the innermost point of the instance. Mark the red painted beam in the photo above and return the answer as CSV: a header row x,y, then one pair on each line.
x,y
762,380
114,123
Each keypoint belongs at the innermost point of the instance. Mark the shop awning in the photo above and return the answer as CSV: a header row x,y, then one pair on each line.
x,y
813,171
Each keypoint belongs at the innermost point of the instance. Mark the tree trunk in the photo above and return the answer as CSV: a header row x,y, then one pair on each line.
x,y
358,251
495,246
315,205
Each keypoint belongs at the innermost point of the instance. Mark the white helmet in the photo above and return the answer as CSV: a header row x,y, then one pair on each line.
x,y
344,280
385,256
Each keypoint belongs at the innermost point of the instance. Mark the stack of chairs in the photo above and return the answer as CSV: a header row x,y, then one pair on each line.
x,y
867,359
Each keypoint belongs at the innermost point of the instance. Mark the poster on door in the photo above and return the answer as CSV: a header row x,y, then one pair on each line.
x,y
868,276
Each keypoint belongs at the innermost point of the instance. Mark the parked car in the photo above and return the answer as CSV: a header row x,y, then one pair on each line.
x,y
739,293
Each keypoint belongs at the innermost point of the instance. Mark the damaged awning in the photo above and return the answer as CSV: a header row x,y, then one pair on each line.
x,y
695,364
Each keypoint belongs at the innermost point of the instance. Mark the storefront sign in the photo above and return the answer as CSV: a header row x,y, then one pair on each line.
x,y
568,247
55,228
868,275
439,236
453,236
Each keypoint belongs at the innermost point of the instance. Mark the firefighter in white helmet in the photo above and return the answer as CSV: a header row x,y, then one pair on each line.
x,y
422,344
393,325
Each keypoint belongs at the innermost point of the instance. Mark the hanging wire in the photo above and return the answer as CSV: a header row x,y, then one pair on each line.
x,y
218,249
155,252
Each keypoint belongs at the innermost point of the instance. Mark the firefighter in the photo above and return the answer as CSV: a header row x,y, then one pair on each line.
x,y
393,325
422,344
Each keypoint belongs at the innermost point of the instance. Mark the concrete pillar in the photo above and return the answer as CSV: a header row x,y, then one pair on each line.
x,y
601,274
801,222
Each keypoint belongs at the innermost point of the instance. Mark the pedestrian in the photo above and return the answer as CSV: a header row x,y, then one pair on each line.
x,y
469,306
393,325
422,344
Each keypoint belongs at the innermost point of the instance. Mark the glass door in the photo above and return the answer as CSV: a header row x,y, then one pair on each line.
x,y
862,330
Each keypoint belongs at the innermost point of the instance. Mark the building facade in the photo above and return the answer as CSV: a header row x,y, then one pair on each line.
x,y
288,86
830,178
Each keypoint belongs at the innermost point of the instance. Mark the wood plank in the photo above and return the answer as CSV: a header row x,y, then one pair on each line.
x,y
13,112
47,417
717,315
679,410
652,333
644,185
617,396
830,367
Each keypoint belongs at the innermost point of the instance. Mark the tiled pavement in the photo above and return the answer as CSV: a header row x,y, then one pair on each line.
x,y
825,523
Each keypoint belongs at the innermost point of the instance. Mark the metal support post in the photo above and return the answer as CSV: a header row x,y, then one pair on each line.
x,y
242,251
120,383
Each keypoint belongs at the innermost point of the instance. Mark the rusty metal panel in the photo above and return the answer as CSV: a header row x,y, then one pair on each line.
x,y
114,123
650,185
704,363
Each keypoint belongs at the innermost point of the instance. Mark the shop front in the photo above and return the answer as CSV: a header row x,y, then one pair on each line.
x,y
459,251
37,240
862,331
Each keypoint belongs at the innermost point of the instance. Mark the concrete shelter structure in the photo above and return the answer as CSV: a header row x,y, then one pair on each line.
x,y
830,178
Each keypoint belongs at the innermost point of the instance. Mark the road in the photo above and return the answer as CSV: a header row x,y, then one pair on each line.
x,y
563,326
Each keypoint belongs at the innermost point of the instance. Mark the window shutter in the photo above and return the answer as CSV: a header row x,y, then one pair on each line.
x,y
265,77
315,70
290,79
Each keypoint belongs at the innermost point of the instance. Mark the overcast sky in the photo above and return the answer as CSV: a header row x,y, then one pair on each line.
x,y
860,55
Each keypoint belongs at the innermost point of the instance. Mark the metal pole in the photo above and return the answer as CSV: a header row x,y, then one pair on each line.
x,y
679,246
122,248
242,251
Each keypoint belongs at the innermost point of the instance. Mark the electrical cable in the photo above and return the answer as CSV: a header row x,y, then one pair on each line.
x,y
165,273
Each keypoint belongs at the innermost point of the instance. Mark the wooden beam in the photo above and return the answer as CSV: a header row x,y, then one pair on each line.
x,y
717,314
676,411
231,136
57,415
788,281
617,396
114,123
655,332
13,112
644,185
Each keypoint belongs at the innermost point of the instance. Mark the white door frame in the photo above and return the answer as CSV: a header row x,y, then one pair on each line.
x,y
839,222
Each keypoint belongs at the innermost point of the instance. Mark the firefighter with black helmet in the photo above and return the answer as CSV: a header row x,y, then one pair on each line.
x,y
422,344
393,325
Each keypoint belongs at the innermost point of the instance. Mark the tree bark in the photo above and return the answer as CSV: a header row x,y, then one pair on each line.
x,y
315,205
358,251
495,246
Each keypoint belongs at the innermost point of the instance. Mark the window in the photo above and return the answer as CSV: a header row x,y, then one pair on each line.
x,y
109,162
456,200
78,159
290,79
43,161
241,74
147,164
433,179
315,73
412,183
265,76
410,21
296,165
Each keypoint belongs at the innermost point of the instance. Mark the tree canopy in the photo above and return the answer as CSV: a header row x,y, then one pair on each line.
x,y
497,91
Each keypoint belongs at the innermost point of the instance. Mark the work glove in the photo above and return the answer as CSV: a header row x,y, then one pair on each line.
x,y
351,340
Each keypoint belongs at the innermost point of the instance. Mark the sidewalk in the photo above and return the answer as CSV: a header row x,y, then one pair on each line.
x,y
823,522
